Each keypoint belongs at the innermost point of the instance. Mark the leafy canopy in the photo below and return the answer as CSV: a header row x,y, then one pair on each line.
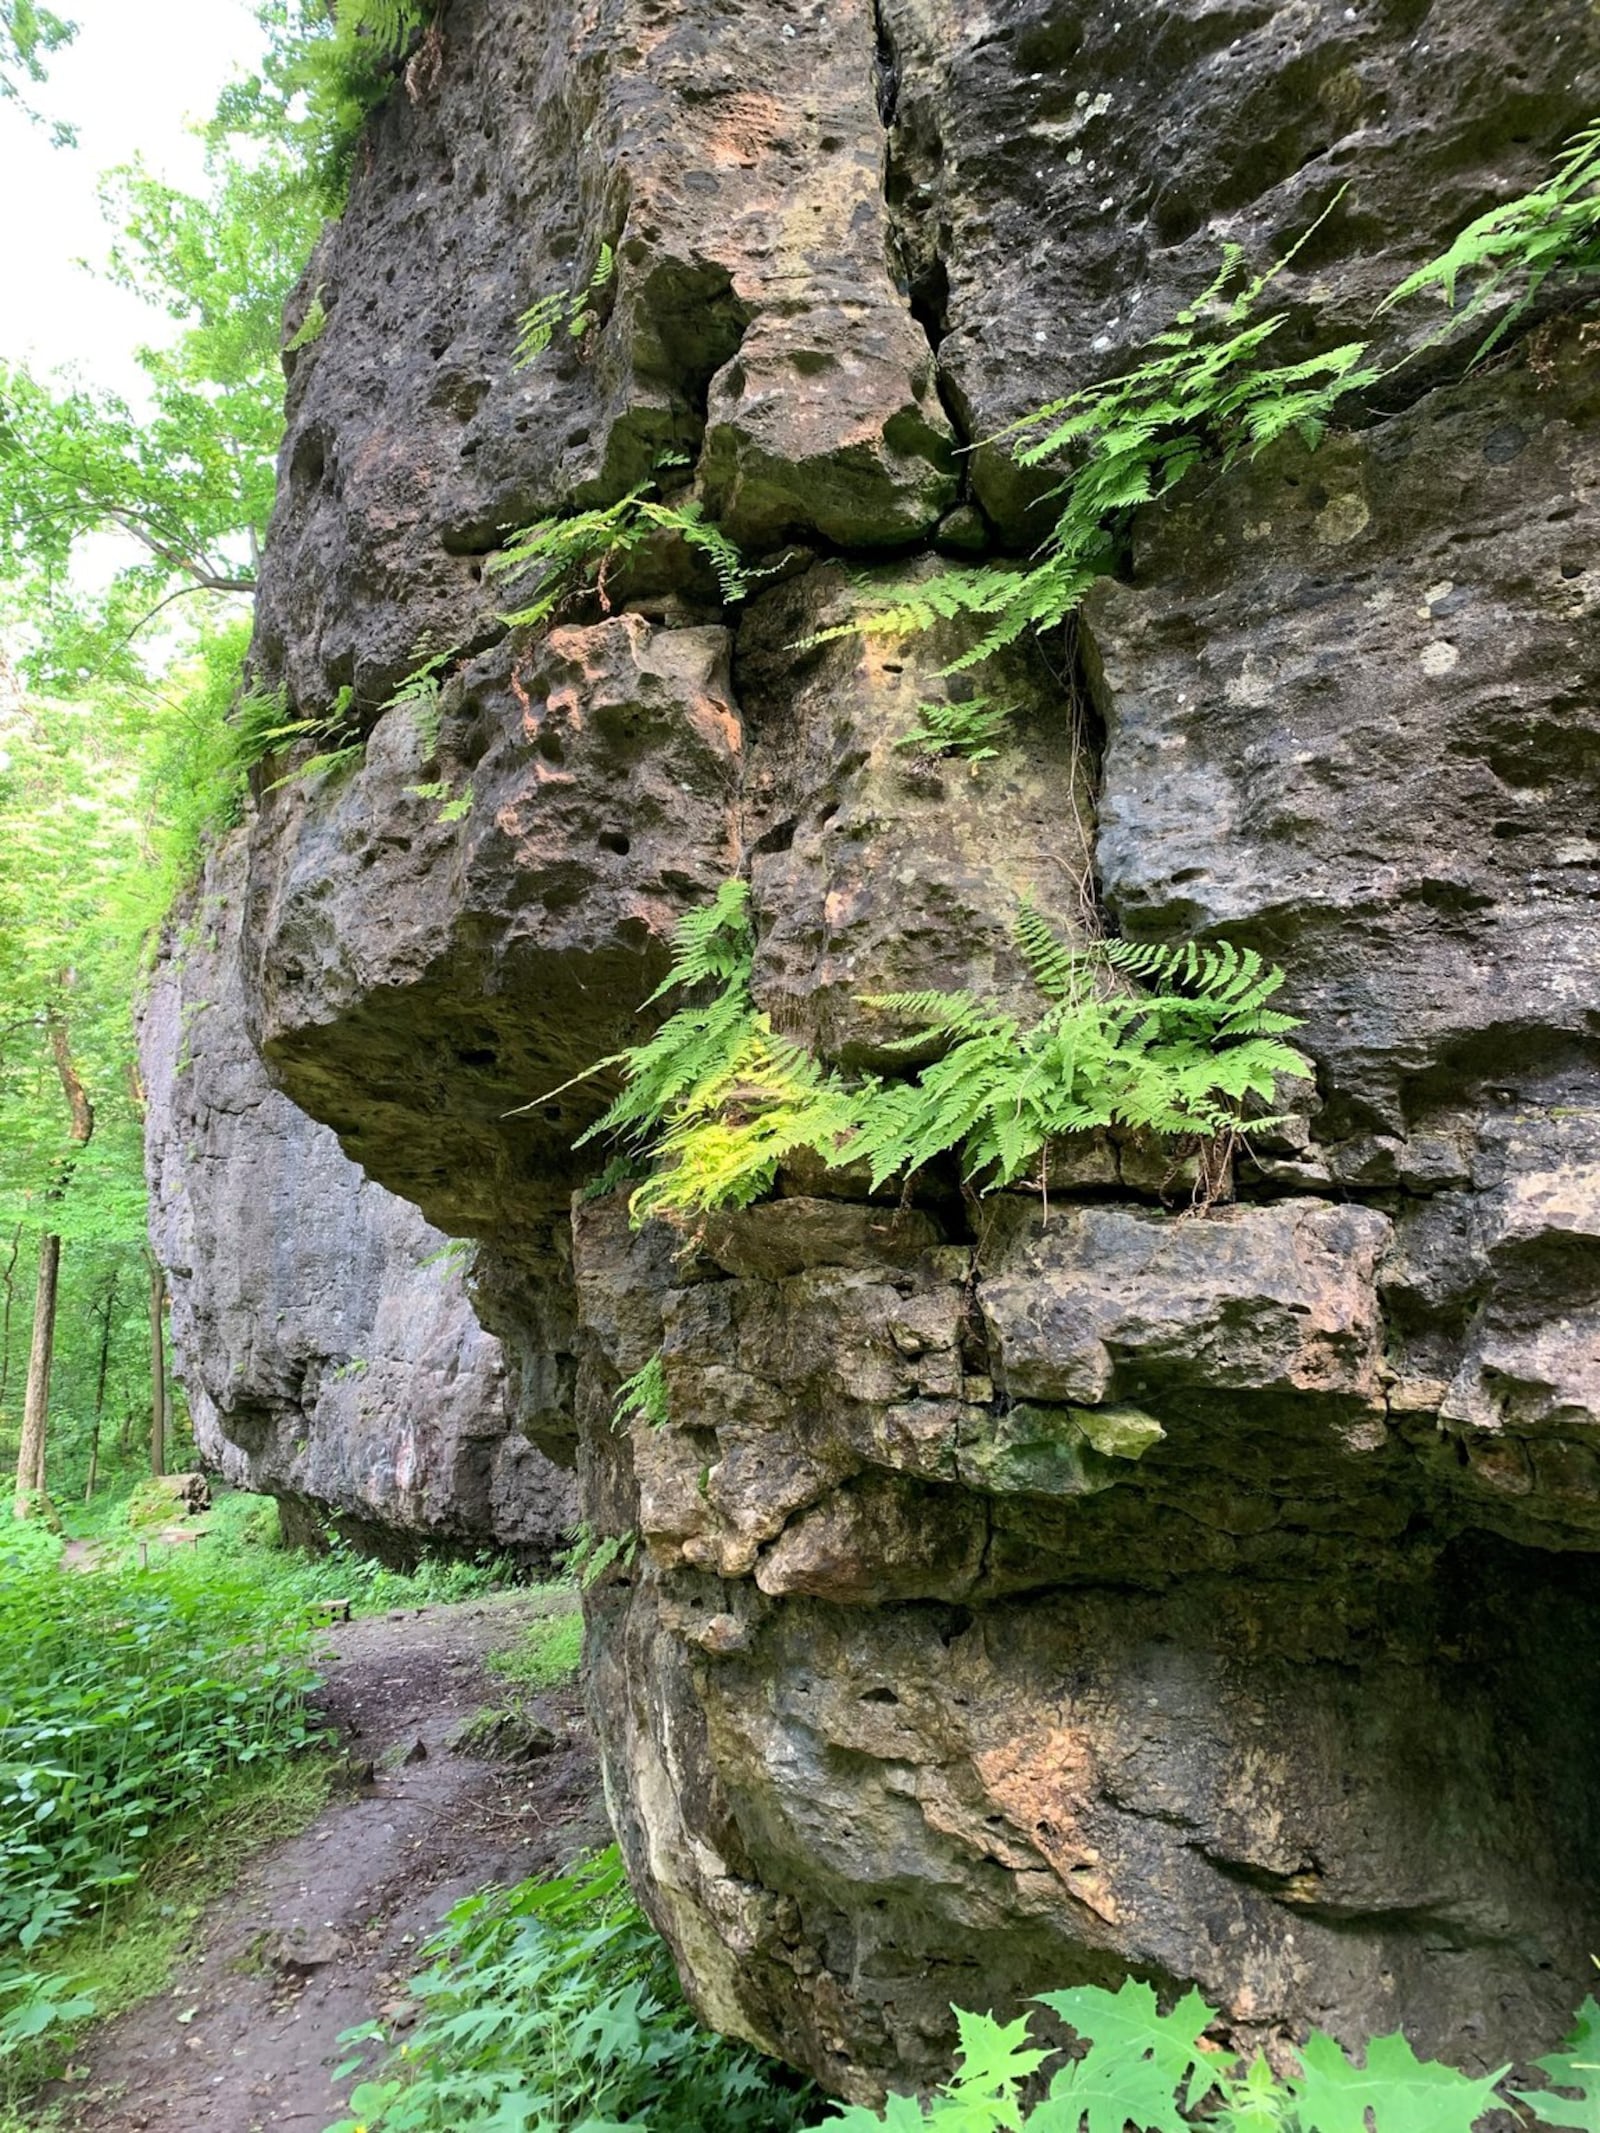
x,y
28,35
187,477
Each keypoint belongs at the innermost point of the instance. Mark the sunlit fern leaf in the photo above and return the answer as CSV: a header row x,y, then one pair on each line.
x,y
644,1394
389,24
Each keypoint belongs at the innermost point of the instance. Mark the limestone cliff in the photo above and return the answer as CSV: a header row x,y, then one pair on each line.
x,y
1025,1593
322,1330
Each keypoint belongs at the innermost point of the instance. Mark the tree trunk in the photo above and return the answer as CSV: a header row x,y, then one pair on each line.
x,y
9,1281
158,1368
100,1390
36,1406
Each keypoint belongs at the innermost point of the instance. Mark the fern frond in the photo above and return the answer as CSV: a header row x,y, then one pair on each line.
x,y
1056,969
969,730
643,1394
389,24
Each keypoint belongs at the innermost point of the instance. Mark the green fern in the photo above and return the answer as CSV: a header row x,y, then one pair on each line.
x,y
575,554
644,1394
1550,235
310,327
421,694
716,1101
969,730
573,308
1217,399
1184,1059
389,25
262,729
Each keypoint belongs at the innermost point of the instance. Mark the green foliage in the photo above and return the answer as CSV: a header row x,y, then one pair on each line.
x,y
1179,1061
1153,2073
186,482
644,1394
592,1555
123,1694
1551,235
577,554
422,693
552,2007
716,1097
1212,396
263,730
1577,2067
1135,436
576,309
28,35
1168,1042
310,328
548,1653
969,730
324,70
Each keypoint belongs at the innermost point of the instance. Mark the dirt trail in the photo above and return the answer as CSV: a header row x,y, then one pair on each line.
x,y
322,1931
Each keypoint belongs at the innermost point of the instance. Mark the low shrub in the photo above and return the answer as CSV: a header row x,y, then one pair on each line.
x,y
553,2007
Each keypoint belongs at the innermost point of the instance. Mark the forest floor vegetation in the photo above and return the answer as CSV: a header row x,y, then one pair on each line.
x,y
301,1925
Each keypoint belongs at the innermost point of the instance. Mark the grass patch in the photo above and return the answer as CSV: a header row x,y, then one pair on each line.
x,y
549,1652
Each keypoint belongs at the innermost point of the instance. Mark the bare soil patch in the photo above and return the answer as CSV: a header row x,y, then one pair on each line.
x,y
322,1932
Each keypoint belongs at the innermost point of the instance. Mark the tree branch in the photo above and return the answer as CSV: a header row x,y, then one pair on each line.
x,y
205,577
71,1084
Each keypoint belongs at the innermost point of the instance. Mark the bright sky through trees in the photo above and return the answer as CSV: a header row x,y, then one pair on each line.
x,y
131,82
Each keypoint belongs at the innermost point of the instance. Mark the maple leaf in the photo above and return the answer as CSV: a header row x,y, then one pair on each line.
x,y
1128,2025
1405,2094
1575,2066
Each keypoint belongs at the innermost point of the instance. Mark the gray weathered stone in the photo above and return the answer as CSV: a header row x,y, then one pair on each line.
x,y
323,1331
919,1687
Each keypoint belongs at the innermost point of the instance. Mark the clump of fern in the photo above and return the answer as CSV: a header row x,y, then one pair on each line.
x,y
643,1394
1135,436
1171,1043
1217,399
1178,1055
1549,235
715,1098
578,553
576,309
263,729
969,730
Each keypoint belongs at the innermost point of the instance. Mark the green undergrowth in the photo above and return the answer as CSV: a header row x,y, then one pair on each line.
x,y
1175,1044
126,1693
144,1692
1140,2069
547,1655
131,1950
553,2007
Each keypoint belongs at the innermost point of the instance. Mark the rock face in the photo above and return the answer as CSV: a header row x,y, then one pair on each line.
x,y
1026,1590
323,1331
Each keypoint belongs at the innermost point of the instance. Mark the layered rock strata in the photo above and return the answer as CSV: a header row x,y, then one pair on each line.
x,y
322,1330
1025,1590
